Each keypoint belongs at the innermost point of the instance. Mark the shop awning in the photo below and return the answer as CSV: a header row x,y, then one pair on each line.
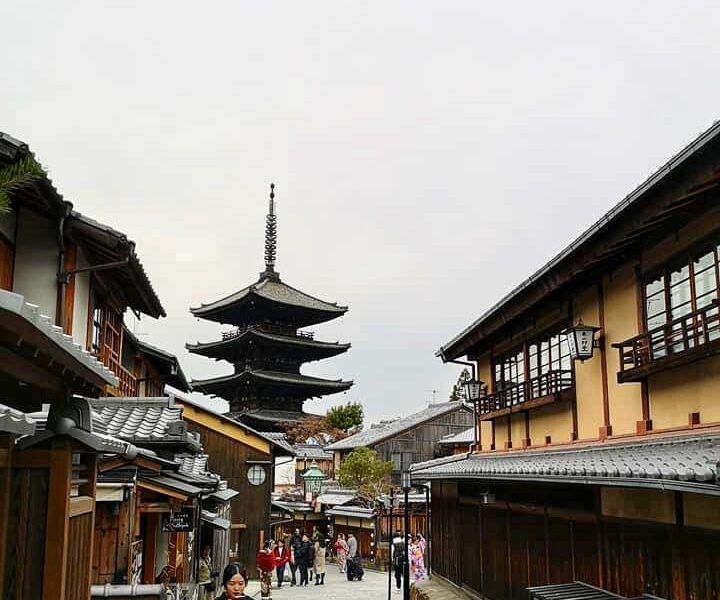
x,y
224,495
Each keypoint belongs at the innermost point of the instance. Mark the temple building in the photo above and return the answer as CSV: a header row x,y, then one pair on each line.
x,y
267,346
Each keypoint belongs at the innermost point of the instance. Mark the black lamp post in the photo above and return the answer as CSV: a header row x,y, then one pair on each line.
x,y
406,484
390,542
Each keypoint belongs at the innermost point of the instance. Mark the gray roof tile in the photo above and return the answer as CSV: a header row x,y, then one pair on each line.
x,y
16,422
373,435
690,460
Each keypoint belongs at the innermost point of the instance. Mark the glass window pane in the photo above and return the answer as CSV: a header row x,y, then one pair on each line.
x,y
655,303
656,321
705,281
655,286
705,261
680,294
679,274
681,311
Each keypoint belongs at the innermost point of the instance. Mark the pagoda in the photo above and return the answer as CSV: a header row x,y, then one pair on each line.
x,y
268,346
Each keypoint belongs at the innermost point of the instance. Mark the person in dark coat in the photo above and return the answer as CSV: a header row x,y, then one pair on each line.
x,y
295,543
304,559
398,558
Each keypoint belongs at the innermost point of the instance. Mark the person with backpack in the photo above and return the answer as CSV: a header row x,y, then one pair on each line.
x,y
398,558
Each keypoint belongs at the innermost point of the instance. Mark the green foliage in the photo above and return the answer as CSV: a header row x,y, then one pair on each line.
x,y
363,471
458,390
16,176
346,417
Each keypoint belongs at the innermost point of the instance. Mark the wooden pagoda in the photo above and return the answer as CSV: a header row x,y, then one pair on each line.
x,y
267,346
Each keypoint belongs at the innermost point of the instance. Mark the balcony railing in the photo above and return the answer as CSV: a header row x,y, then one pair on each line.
x,y
545,386
682,340
128,386
267,328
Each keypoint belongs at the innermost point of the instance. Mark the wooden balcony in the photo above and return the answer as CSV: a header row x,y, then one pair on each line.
x,y
268,328
128,386
538,391
684,340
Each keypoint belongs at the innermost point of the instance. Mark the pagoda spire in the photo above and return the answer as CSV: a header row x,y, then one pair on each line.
x,y
271,238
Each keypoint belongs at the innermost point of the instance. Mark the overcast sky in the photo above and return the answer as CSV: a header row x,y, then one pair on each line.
x,y
428,156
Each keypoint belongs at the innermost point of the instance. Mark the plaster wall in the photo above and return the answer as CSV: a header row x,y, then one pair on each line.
x,y
501,435
82,303
484,369
7,225
517,429
486,435
691,388
588,375
36,261
554,420
621,323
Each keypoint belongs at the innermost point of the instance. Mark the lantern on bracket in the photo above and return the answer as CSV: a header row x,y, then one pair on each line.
x,y
313,478
473,389
581,340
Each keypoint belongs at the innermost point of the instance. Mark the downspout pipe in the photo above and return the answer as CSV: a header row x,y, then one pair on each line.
x,y
474,376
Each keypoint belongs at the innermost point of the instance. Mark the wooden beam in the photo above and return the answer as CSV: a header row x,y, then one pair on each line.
x,y
25,370
31,459
162,490
58,521
81,505
5,481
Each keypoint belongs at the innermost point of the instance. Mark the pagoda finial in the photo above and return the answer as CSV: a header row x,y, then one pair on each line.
x,y
271,234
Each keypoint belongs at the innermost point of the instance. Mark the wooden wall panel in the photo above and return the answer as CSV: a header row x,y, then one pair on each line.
x,y
471,565
495,554
7,262
79,557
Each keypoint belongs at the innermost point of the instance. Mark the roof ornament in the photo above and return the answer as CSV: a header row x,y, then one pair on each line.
x,y
271,238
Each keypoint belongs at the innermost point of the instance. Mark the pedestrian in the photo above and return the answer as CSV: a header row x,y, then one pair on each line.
x,y
319,561
282,558
352,546
304,559
417,558
234,581
316,535
341,548
295,543
206,576
398,558
266,565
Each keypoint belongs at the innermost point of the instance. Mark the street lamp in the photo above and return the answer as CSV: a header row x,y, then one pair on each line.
x,y
313,478
473,388
406,484
581,340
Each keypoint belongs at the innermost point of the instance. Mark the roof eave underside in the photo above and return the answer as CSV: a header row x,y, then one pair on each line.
x,y
220,348
318,386
106,245
459,345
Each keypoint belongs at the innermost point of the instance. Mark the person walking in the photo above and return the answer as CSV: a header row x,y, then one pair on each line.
x,y
398,558
295,543
341,549
282,558
417,558
352,546
319,561
304,558
266,565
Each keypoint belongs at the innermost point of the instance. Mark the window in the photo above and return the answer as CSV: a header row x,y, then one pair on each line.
x,y
683,287
7,260
256,475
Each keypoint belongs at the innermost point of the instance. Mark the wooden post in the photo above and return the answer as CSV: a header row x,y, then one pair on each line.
x,y
5,480
58,521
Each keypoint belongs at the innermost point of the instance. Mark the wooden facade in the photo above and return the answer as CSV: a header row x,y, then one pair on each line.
x,y
648,276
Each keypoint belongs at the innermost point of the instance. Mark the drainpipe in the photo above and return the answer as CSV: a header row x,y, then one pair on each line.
x,y
474,376
62,278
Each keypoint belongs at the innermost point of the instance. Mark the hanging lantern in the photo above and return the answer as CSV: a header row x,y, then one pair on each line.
x,y
473,388
581,340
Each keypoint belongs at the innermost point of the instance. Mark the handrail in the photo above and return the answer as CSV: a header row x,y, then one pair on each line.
x,y
547,384
674,337
267,328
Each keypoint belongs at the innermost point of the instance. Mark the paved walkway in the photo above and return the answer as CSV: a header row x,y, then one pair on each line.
x,y
372,587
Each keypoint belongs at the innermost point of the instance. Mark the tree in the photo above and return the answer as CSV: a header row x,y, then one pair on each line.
x,y
363,471
458,390
16,176
312,429
346,417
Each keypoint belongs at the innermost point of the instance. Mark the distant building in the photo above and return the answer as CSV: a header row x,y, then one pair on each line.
x,y
459,443
410,439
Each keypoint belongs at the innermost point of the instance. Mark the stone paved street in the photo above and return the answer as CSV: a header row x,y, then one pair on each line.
x,y
337,587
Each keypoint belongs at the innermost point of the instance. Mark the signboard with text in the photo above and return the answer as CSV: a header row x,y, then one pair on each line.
x,y
179,520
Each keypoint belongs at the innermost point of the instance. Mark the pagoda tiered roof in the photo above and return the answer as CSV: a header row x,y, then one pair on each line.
x,y
269,299
263,382
237,343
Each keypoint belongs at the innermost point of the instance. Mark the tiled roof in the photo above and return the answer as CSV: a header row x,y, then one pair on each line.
x,y
275,291
271,415
373,435
671,462
306,384
16,422
312,451
351,511
197,464
54,337
291,506
280,439
336,499
462,438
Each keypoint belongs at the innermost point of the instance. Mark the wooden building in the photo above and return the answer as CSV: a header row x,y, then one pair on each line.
x,y
603,471
246,460
460,443
268,346
410,439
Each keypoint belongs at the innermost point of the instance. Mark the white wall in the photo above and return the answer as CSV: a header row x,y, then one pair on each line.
x,y
36,261
82,303
7,225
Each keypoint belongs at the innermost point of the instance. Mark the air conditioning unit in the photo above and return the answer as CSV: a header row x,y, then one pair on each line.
x,y
177,428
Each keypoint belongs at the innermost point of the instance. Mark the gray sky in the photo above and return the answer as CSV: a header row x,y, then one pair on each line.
x,y
428,156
